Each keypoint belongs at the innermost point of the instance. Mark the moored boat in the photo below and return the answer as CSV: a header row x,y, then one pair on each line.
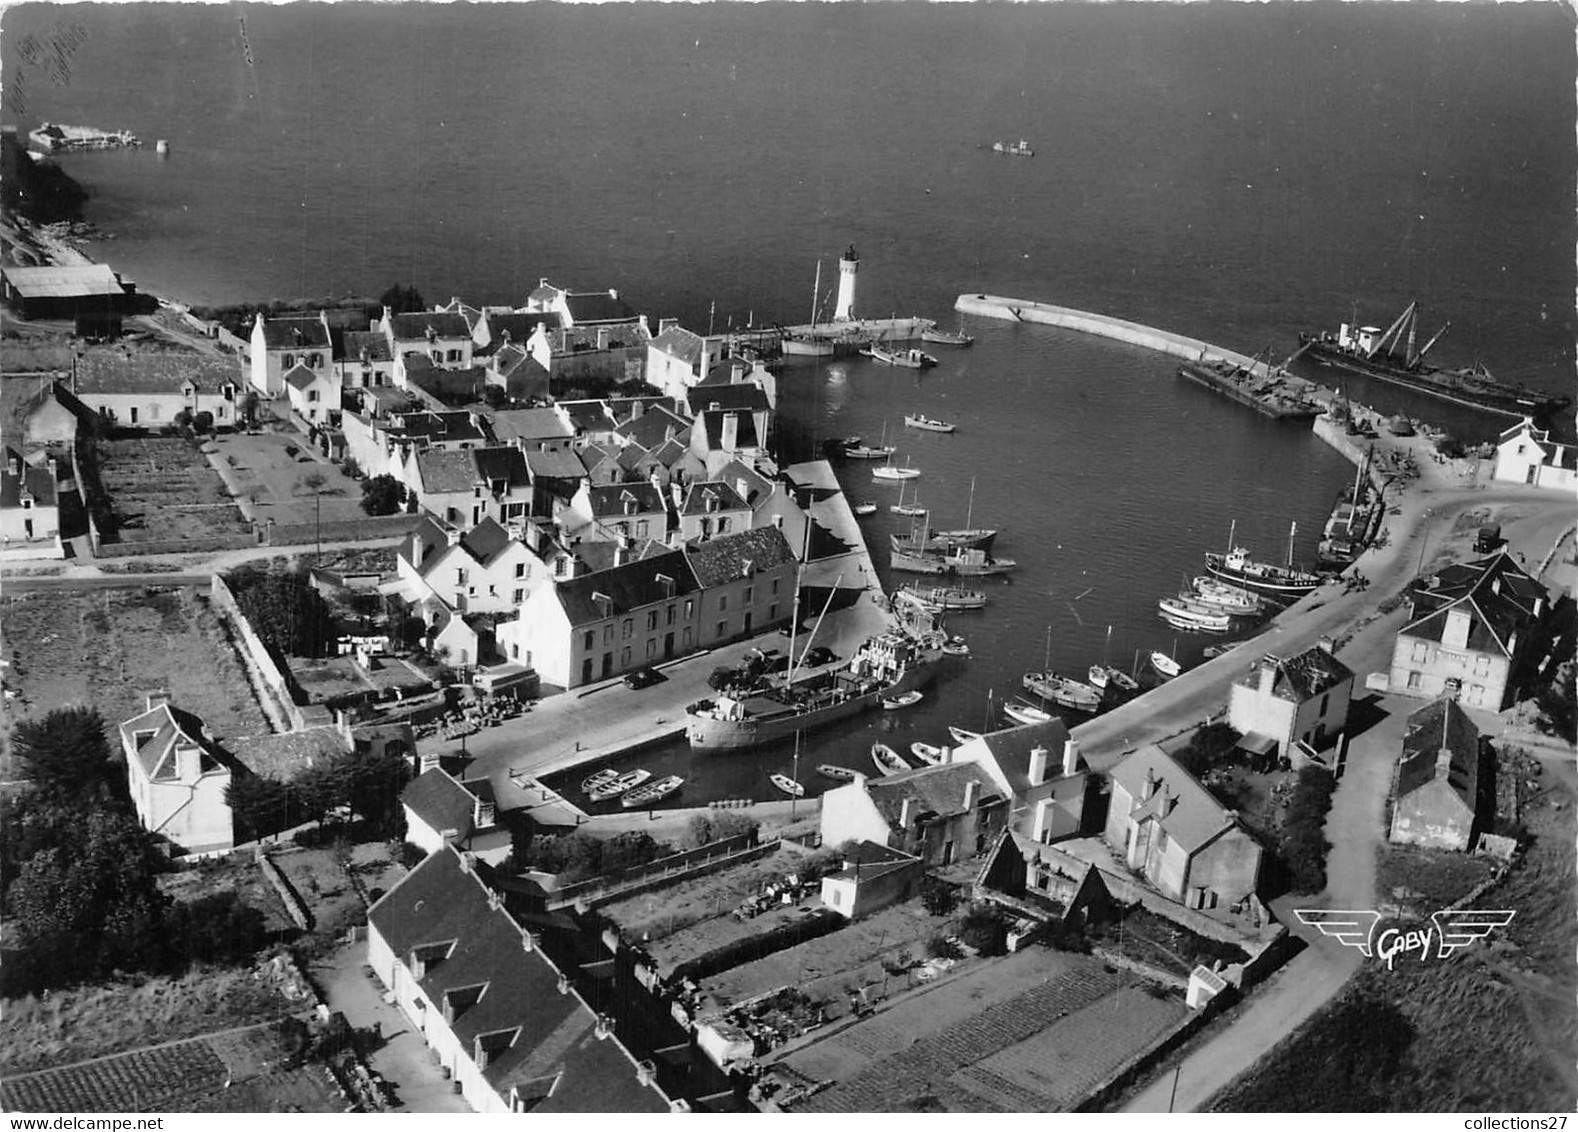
x,y
1237,568
1065,691
966,561
902,700
788,785
1104,678
960,735
1025,713
1208,591
928,753
601,778
947,337
887,760
945,597
1180,615
1165,665
911,358
857,450
837,773
1020,148
896,475
619,785
927,424
652,792
865,508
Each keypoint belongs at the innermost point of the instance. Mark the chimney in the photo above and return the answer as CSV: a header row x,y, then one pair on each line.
x,y
972,790
646,1072
603,333
1038,764
495,901
528,942
1443,762
1268,674
1327,645
637,407
468,863
16,463
564,983
1151,782
621,550
904,814
1070,757
731,432
1043,821
156,698
419,548
51,463
453,534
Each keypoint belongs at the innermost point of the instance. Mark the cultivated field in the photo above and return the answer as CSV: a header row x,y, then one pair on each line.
x,y
239,874
161,488
108,648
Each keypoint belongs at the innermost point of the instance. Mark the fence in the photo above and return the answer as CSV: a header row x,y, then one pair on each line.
x,y
341,530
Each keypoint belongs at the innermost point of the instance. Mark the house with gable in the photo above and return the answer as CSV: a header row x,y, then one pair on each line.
x,y
498,327
747,584
741,397
442,337
148,391
649,426
279,345
741,370
602,464
1292,700
1474,632
1166,826
519,373
445,484
177,778
47,414
314,395
670,463
29,500
366,361
708,509
1526,454
678,358
481,570
591,422
618,511
718,436
1435,786
503,484
1037,766
541,430
940,814
440,810
502,1020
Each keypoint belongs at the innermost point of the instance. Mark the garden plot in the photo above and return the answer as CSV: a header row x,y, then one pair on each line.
x,y
160,488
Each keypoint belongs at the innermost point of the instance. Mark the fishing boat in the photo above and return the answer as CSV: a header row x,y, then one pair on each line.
x,y
965,561
788,785
1065,691
913,507
929,753
895,475
855,450
1020,148
619,784
1105,678
902,700
1213,651
1182,614
1354,518
837,773
1022,712
966,536
960,735
1208,591
948,337
882,667
652,792
865,508
911,358
927,424
956,646
1237,568
602,778
945,597
887,760
1165,665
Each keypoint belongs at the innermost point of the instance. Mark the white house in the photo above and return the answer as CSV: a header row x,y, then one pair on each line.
x,y
29,504
1298,699
314,394
176,779
148,391
482,570
440,811
441,336
1525,454
279,345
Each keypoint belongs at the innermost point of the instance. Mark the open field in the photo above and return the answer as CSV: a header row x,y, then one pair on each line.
x,y
160,488
271,468
108,648
238,874
1418,881
320,878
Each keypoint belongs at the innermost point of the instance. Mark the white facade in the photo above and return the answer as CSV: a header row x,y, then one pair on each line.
x,y
1527,455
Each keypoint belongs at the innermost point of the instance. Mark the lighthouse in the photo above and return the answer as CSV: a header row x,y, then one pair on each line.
x,y
845,310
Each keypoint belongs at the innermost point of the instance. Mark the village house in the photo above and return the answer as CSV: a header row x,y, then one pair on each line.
x,y
678,358
29,500
708,509
872,878
148,391
742,397
1038,766
481,570
521,376
1525,454
440,336
542,430
440,811
591,422
602,464
940,814
1473,633
747,584
1299,699
1435,787
618,511
1040,879
458,639
737,370
367,361
45,414
503,1021
314,395
177,778
556,478
443,387
445,484
90,294
650,425
720,435
497,328
279,345
1169,829
602,624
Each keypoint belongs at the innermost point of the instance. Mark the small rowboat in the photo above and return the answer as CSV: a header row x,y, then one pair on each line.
x,y
865,508
960,735
956,646
619,784
602,778
1214,651
1164,665
787,785
837,773
652,792
928,753
903,700
928,424
887,760
1026,713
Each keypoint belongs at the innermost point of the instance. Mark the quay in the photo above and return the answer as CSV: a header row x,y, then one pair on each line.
x,y
870,329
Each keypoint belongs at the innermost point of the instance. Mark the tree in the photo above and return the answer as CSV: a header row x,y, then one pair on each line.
x,y
260,806
313,481
1207,747
402,299
352,470
985,930
66,752
383,495
937,897
203,422
249,407
183,419
284,609
495,396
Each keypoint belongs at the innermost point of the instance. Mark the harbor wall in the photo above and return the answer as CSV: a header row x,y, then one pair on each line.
x,y
1104,326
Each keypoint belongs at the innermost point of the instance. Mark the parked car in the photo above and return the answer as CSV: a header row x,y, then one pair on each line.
x,y
643,677
820,655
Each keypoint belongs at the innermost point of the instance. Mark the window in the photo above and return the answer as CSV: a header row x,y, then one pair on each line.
x,y
775,587
518,596
772,612
671,614
1413,681
460,575
27,503
628,629
723,628
723,602
558,567
590,640
312,395
453,355
287,361
1324,701
153,411
651,647
1482,666
642,526
608,634
651,620
316,362
690,608
1421,650
624,657
685,638
520,569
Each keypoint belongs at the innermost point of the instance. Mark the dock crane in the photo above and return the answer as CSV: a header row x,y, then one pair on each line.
x,y
1390,340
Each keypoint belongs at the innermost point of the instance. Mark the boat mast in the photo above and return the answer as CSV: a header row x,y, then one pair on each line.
x,y
969,511
1231,532
1292,532
816,291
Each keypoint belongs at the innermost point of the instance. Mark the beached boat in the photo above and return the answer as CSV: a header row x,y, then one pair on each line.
x,y
837,773
1165,665
911,358
927,424
902,700
1065,691
960,735
887,760
965,562
1025,713
865,508
928,753
788,785
945,597
882,667
652,792
1182,614
619,785
601,778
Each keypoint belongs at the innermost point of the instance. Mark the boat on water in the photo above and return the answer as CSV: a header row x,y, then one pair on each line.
x,y
929,753
619,784
53,138
855,450
1022,712
956,646
1104,678
965,561
927,424
882,667
602,778
887,760
1065,691
945,597
1020,148
1237,568
902,700
788,785
1183,614
895,475
1272,392
1218,595
960,735
910,358
837,773
652,793
1374,352
865,508
1211,652
947,337
1165,666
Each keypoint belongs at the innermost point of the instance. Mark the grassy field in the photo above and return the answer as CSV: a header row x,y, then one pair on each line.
x,y
161,488
108,648
239,874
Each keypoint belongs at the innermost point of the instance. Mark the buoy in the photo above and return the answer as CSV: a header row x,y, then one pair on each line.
x,y
161,147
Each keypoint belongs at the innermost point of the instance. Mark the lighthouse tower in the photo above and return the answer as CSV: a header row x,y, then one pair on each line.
x,y
846,286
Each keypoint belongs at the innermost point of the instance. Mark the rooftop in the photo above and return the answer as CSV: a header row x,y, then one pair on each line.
x,y
1163,790
415,327
608,593
728,557
305,331
64,281
1440,726
120,371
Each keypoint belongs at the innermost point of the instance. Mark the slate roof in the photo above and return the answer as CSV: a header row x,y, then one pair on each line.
x,y
582,339
866,860
624,408
702,492
654,426
631,455
283,756
712,421
444,426
1301,678
431,535
589,416
597,306
724,559
170,725
603,554
560,465
934,790
552,1055
1438,726
1010,747
20,399
300,376
40,484
609,500
1498,594
595,454
446,470
530,425
1184,808
465,310
713,397
451,386
681,344
520,325
64,281
669,453
440,801
300,332
501,462
737,473
506,358
726,372
113,371
631,586
485,540
372,341
414,327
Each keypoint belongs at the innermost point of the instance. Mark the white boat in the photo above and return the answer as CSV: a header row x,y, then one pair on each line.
x,y
1165,665
896,475
1026,713
619,785
948,337
928,753
787,785
859,451
1104,677
911,358
652,792
1020,148
837,773
927,424
913,507
903,700
887,760
945,597
1185,615
960,735
956,646
602,778
865,508
1224,598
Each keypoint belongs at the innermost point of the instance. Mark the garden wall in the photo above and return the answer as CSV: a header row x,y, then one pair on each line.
x,y
342,530
276,689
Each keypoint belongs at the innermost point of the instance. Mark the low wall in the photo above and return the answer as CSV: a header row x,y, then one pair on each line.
x,y
276,690
710,865
287,895
663,866
209,545
342,530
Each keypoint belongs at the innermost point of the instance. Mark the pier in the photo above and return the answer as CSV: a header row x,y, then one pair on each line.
x,y
870,329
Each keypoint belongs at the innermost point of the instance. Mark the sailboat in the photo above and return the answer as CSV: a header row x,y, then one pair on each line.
x,y
965,536
1237,568
854,449
809,345
913,507
1105,678
892,474
1065,691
